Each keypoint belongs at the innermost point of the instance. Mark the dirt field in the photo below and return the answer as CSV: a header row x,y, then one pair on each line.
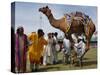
x,y
89,62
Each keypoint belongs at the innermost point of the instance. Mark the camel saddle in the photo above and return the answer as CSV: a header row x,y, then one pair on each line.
x,y
79,15
76,16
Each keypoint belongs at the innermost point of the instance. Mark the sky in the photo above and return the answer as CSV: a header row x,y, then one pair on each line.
x,y
28,16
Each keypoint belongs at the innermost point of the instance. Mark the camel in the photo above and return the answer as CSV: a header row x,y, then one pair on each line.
x,y
77,26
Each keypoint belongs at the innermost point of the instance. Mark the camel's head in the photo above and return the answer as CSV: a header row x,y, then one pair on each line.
x,y
45,10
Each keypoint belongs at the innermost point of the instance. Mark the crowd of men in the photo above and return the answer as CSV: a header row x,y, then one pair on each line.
x,y
39,50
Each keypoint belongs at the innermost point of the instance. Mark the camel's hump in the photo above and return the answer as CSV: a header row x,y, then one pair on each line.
x,y
77,14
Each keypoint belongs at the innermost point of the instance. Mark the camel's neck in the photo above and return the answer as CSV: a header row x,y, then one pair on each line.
x,y
59,24
53,21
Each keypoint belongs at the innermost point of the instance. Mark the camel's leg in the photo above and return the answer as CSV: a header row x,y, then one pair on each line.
x,y
88,33
87,46
87,42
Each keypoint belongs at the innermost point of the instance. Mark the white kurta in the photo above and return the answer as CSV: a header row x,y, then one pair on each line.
x,y
48,52
74,38
67,45
80,48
